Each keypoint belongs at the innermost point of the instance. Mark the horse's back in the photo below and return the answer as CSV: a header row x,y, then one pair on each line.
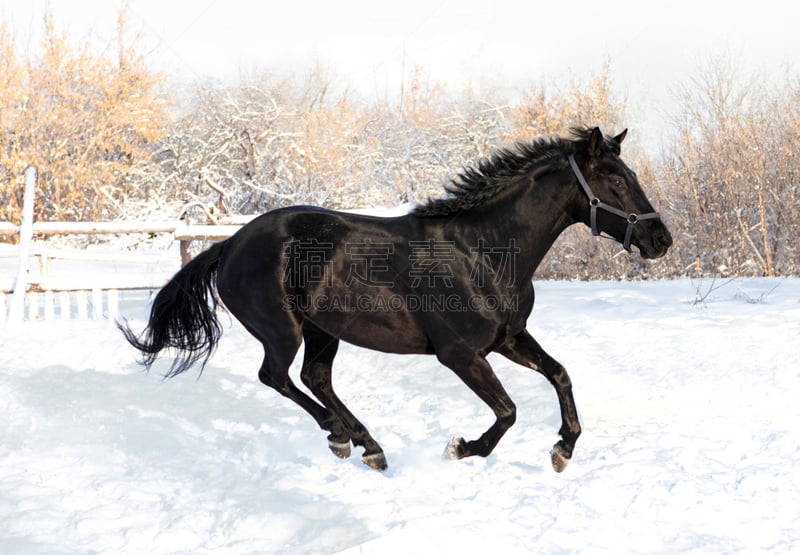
x,y
360,278
309,261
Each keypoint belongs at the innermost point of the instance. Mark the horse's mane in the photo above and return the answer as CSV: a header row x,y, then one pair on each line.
x,y
475,185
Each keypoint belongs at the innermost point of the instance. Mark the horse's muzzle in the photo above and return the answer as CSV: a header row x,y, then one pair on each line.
x,y
659,244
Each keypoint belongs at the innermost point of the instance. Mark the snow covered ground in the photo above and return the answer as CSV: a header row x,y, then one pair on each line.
x,y
691,433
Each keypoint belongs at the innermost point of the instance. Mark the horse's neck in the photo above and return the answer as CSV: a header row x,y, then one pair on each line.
x,y
537,214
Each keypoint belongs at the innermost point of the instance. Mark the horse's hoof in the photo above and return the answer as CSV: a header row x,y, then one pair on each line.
x,y
341,450
376,461
559,458
455,449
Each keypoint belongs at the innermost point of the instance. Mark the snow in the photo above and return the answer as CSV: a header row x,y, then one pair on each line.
x,y
690,442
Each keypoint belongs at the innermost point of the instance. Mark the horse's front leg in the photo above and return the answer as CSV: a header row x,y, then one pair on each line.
x,y
481,379
524,350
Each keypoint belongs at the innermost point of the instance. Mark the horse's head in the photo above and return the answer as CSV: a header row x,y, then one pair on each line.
x,y
616,204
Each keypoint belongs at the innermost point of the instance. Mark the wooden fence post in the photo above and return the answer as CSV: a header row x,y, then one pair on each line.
x,y
185,256
16,312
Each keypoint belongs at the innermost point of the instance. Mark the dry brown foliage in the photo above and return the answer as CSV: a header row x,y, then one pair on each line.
x,y
735,173
107,148
82,119
543,113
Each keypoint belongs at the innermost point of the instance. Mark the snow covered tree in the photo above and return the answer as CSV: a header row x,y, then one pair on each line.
x,y
735,165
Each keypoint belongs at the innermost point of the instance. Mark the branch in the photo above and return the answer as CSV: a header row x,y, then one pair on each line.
x,y
746,236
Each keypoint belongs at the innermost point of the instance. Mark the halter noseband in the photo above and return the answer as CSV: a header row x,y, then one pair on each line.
x,y
595,203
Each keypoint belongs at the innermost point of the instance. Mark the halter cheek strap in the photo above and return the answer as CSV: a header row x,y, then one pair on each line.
x,y
595,203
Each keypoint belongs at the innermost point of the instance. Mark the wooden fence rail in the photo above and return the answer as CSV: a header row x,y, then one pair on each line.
x,y
88,293
92,294
183,232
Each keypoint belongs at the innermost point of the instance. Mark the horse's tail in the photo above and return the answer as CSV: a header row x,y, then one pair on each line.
x,y
183,316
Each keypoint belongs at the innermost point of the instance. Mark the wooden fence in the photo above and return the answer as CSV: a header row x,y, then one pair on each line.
x,y
43,293
50,293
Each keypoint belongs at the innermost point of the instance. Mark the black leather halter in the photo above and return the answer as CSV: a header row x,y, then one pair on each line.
x,y
595,203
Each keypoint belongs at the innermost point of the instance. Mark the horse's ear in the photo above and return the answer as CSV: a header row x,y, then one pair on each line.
x,y
621,137
596,142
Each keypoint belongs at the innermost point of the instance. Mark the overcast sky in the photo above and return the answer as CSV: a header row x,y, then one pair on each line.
x,y
512,44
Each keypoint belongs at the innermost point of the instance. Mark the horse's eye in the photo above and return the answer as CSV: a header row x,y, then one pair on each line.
x,y
617,181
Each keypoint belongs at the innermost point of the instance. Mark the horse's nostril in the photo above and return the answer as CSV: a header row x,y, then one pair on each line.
x,y
664,240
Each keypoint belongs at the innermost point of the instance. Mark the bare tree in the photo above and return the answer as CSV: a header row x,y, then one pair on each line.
x,y
83,119
734,166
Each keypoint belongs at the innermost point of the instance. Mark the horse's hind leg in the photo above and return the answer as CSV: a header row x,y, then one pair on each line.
x,y
316,375
279,352
523,349
320,349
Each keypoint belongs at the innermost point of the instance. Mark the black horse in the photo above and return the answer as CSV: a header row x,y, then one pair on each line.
x,y
452,278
